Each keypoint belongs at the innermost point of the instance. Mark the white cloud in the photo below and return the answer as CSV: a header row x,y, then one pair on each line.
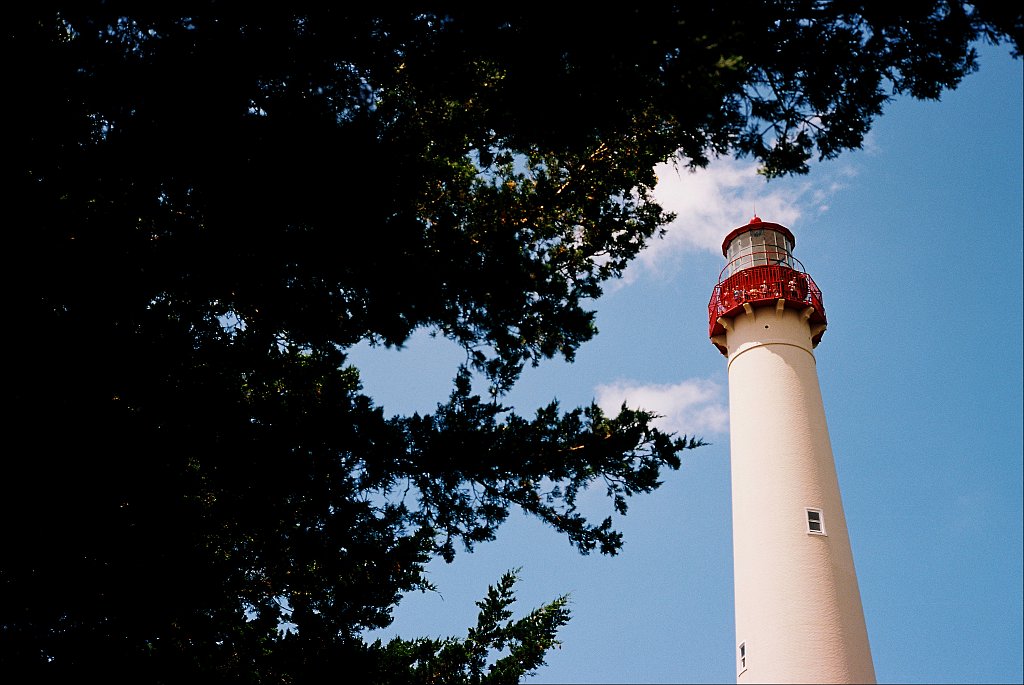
x,y
710,202
695,407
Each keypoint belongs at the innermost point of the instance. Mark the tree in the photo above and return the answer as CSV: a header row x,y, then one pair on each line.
x,y
212,205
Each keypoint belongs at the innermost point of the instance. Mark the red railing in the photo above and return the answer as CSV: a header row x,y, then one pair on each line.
x,y
760,286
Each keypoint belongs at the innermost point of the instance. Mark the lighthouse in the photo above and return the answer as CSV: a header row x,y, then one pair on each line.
x,y
799,617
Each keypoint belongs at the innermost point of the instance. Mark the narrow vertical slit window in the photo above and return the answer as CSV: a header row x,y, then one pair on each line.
x,y
815,522
742,657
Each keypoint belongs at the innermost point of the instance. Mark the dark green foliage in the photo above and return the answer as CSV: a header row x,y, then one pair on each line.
x,y
209,206
518,646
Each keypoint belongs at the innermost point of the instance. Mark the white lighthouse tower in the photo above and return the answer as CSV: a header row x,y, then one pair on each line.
x,y
798,610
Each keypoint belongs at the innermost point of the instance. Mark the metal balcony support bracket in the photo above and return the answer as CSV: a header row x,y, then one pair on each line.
x,y
725,323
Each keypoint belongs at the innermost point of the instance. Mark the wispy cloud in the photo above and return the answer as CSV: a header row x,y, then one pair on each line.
x,y
711,201
690,407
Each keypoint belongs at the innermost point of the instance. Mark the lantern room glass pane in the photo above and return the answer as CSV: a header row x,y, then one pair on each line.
x,y
757,246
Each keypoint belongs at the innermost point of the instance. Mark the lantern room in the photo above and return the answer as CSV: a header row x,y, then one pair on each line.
x,y
761,271
759,243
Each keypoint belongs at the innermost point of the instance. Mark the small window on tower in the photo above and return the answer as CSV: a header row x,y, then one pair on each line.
x,y
815,522
742,657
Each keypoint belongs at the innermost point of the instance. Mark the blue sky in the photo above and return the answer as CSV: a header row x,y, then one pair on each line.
x,y
916,244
